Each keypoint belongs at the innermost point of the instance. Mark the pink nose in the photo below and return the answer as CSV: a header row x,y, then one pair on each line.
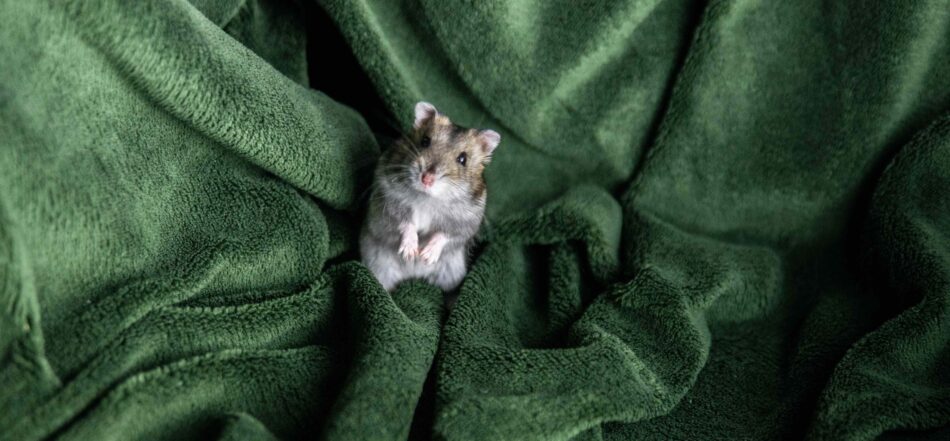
x,y
428,179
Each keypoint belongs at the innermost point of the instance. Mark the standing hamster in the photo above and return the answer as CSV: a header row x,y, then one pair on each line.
x,y
428,202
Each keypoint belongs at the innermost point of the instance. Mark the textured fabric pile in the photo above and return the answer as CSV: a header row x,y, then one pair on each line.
x,y
707,220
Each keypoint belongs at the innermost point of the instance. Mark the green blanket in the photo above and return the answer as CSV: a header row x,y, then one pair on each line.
x,y
721,220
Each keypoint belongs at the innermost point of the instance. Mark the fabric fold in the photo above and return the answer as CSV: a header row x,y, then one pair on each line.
x,y
706,220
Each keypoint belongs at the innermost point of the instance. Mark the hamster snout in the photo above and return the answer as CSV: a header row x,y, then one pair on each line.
x,y
428,177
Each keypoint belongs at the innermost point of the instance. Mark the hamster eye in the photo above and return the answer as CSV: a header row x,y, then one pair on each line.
x,y
425,141
461,159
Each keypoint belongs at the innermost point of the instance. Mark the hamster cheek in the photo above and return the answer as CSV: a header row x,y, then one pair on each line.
x,y
454,188
442,188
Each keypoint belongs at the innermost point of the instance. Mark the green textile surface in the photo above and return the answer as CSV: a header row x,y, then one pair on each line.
x,y
707,220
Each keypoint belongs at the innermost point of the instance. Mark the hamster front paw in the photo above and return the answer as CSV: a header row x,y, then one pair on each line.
x,y
430,255
433,250
409,246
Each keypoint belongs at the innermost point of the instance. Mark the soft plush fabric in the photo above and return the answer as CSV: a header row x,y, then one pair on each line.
x,y
707,220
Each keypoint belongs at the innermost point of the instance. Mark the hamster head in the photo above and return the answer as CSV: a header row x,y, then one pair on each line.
x,y
441,159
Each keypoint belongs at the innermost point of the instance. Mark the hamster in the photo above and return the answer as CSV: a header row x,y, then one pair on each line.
x,y
428,202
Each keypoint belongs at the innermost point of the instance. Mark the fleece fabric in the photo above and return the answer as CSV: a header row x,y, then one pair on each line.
x,y
707,220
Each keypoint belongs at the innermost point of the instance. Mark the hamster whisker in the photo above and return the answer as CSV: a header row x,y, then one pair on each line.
x,y
412,145
395,168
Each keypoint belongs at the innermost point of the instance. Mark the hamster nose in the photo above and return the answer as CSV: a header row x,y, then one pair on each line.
x,y
428,178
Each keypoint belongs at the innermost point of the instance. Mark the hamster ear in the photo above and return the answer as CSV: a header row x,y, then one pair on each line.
x,y
424,111
489,139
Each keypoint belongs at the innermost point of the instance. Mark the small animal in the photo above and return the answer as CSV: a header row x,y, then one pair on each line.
x,y
428,202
